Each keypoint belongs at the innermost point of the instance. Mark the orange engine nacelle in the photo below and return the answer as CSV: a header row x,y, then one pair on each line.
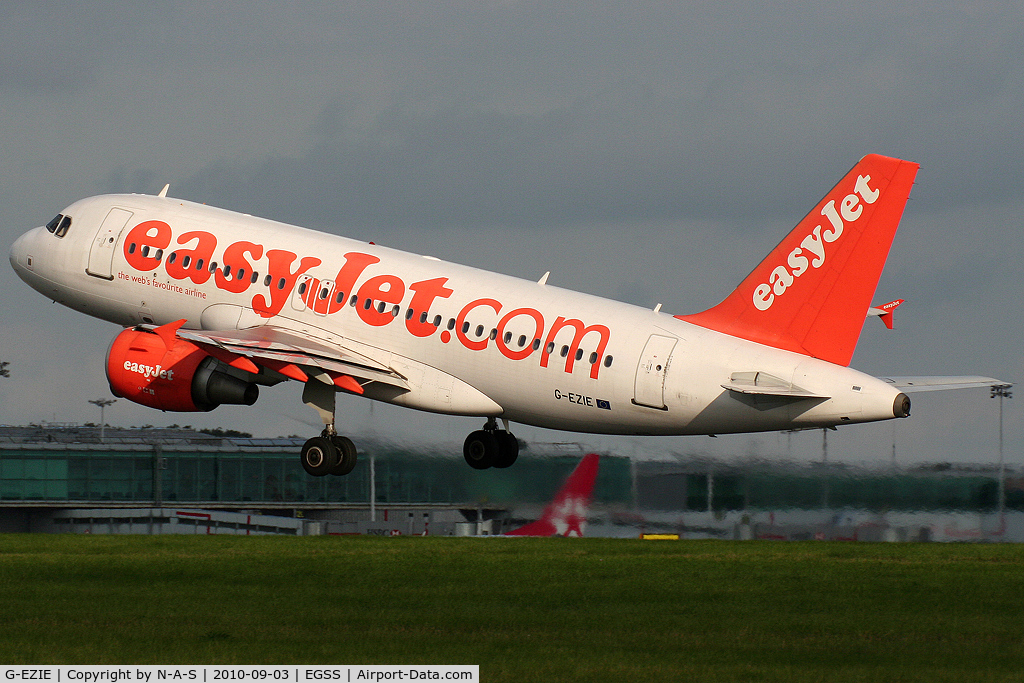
x,y
182,378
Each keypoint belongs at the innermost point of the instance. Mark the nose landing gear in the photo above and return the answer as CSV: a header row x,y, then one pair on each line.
x,y
491,447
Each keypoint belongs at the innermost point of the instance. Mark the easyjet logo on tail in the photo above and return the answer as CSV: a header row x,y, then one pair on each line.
x,y
812,252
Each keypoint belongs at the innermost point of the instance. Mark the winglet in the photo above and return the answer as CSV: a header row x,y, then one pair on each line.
x,y
885,311
811,294
566,515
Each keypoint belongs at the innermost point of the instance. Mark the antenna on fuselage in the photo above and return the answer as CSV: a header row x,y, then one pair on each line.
x,y
163,192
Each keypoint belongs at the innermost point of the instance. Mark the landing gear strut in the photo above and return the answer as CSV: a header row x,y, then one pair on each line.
x,y
491,447
328,453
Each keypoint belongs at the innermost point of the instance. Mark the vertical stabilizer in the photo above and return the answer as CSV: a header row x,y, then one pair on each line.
x,y
566,515
813,291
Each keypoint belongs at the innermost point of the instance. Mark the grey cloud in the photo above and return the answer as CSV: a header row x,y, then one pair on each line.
x,y
45,49
623,119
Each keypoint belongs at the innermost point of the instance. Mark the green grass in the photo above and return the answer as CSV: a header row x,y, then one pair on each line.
x,y
523,609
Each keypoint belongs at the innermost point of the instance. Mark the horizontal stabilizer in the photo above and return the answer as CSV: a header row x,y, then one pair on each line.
x,y
763,384
909,384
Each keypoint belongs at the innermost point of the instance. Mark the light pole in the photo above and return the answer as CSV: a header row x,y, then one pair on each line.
x,y
1002,391
102,403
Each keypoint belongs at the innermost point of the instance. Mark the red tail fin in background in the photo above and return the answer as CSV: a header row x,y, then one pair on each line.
x,y
566,515
812,292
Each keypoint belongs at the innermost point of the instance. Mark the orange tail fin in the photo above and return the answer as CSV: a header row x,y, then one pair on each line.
x,y
813,291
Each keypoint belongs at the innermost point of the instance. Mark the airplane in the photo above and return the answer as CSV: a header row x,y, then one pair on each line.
x,y
216,303
566,515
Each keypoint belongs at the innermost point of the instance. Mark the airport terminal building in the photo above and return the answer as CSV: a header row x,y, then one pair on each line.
x,y
61,472
64,478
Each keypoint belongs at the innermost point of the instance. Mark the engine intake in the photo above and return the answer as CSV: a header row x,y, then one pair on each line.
x,y
182,378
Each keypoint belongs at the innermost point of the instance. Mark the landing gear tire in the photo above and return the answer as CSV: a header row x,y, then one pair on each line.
x,y
319,456
346,455
481,449
508,449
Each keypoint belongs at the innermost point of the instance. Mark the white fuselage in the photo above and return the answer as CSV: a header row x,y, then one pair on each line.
x,y
474,343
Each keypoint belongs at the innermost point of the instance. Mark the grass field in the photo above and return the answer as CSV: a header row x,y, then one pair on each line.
x,y
523,609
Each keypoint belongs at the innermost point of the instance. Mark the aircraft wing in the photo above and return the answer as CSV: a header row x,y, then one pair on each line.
x,y
910,384
293,355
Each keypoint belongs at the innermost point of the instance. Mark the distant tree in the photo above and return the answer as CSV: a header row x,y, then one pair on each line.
x,y
228,433
4,372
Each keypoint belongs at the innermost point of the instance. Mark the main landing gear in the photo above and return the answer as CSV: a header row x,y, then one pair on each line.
x,y
491,447
328,453
331,453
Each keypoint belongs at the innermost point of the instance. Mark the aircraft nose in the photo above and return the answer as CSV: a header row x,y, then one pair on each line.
x,y
17,254
21,259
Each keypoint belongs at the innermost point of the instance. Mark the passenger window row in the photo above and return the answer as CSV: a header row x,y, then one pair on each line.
x,y
324,292
186,262
381,306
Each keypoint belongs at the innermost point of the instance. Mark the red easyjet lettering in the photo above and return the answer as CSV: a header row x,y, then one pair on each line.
x,y
376,299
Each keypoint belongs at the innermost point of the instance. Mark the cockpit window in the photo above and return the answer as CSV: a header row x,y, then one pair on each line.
x,y
59,225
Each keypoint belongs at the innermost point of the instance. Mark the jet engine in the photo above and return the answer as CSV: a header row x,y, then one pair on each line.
x,y
177,376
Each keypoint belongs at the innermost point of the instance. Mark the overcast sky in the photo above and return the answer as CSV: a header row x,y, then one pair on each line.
x,y
644,152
